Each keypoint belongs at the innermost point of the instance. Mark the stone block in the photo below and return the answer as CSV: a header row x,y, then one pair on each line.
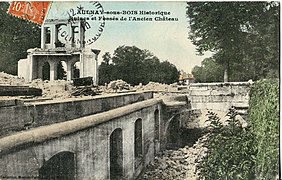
x,y
10,102
19,91
200,92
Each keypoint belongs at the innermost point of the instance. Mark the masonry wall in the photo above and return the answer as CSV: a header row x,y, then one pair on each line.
x,y
90,146
23,68
219,96
21,117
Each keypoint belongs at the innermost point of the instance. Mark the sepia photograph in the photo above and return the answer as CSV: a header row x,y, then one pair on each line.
x,y
140,90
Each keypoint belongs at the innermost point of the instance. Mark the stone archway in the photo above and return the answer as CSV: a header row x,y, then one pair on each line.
x,y
59,167
138,145
173,133
61,70
116,155
46,71
76,69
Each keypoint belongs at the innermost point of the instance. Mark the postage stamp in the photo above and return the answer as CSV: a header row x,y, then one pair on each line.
x,y
30,10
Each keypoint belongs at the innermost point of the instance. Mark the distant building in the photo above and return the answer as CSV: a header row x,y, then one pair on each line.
x,y
186,78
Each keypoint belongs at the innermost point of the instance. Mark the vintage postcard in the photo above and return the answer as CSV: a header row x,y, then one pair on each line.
x,y
97,90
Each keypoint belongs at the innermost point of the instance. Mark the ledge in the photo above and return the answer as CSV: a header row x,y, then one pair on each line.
x,y
87,98
222,84
44,133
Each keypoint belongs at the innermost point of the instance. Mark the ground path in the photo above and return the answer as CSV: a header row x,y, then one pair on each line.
x,y
180,164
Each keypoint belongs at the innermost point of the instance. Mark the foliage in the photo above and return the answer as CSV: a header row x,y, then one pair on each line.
x,y
244,36
135,66
246,153
264,118
209,71
106,69
16,37
61,73
230,150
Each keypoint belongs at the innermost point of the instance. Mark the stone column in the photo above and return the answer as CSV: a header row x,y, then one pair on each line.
x,y
69,37
81,36
82,63
75,35
70,67
43,37
31,69
69,70
53,70
55,35
96,78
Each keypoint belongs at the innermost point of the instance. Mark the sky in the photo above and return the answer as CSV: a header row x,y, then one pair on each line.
x,y
168,40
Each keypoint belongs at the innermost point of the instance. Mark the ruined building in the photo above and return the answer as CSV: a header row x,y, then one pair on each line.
x,y
53,51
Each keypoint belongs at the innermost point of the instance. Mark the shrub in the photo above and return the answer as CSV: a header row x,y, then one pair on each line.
x,y
230,152
235,152
264,120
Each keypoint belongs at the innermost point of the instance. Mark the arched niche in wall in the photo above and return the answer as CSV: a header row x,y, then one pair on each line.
x,y
46,71
116,154
61,166
62,70
138,142
173,133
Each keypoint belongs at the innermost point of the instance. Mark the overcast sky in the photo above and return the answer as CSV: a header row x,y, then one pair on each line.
x,y
165,39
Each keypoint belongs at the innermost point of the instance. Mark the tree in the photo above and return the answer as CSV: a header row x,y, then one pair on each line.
x,y
242,35
105,69
61,73
135,66
128,61
168,73
210,71
198,74
16,37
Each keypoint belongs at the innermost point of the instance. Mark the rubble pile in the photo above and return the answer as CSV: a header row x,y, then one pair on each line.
x,y
64,89
85,91
155,86
177,164
117,86
53,89
8,79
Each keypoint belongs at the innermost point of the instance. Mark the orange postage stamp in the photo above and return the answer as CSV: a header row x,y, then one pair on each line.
x,y
30,10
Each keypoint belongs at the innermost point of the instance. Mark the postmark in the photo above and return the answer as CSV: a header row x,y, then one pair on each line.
x,y
34,11
92,13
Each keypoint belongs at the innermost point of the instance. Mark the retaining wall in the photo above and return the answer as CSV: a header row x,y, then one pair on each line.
x,y
23,154
21,117
219,96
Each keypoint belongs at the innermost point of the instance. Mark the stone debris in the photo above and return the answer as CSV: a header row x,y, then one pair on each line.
x,y
117,86
155,86
50,89
62,89
54,89
8,79
177,164
85,91
181,164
